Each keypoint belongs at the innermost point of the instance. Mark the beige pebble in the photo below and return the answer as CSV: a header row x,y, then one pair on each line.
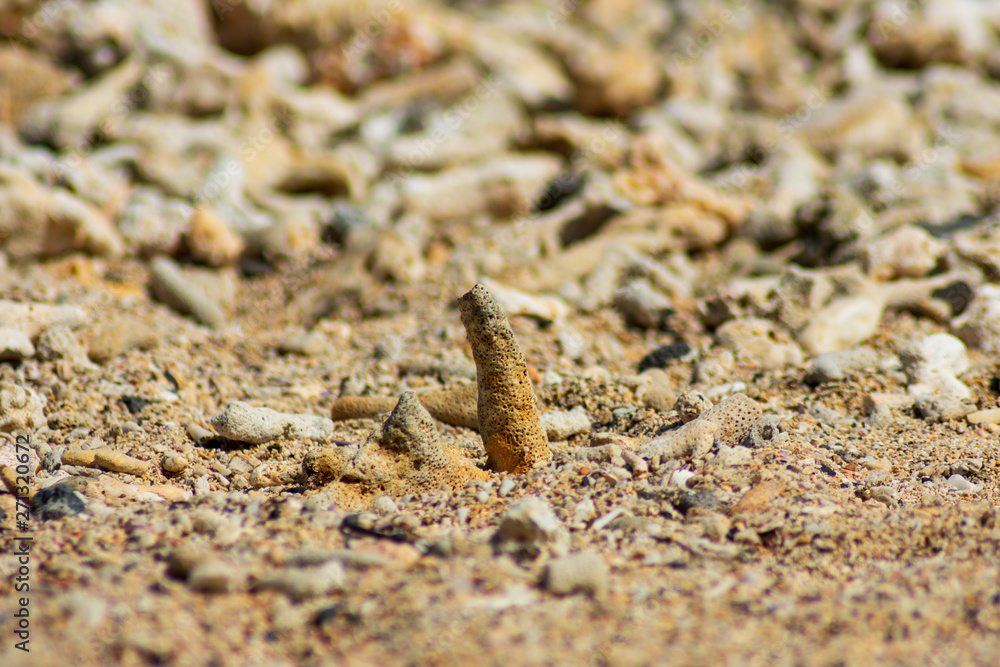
x,y
79,457
169,492
306,343
211,240
583,572
109,338
878,464
659,398
185,295
988,416
118,462
457,406
174,463
874,401
844,323
361,407
214,576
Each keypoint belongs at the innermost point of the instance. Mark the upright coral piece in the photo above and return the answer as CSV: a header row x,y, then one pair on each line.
x,y
508,419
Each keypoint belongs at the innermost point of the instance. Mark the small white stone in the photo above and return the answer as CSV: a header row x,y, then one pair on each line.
x,y
563,424
201,486
516,302
385,505
933,364
959,483
15,344
754,340
174,463
678,478
844,323
834,366
907,252
214,576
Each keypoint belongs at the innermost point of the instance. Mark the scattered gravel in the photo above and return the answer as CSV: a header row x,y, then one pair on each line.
x,y
722,387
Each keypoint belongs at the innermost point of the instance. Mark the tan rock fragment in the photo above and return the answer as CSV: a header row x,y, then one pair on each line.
x,y
844,323
174,463
79,457
758,498
210,239
455,406
360,407
583,572
653,179
110,338
118,462
27,76
508,419
34,318
988,416
876,401
8,475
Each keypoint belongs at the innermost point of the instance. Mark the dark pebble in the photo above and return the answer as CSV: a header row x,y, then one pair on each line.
x,y
253,267
327,614
559,190
345,221
958,295
703,499
135,404
172,380
56,502
661,356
